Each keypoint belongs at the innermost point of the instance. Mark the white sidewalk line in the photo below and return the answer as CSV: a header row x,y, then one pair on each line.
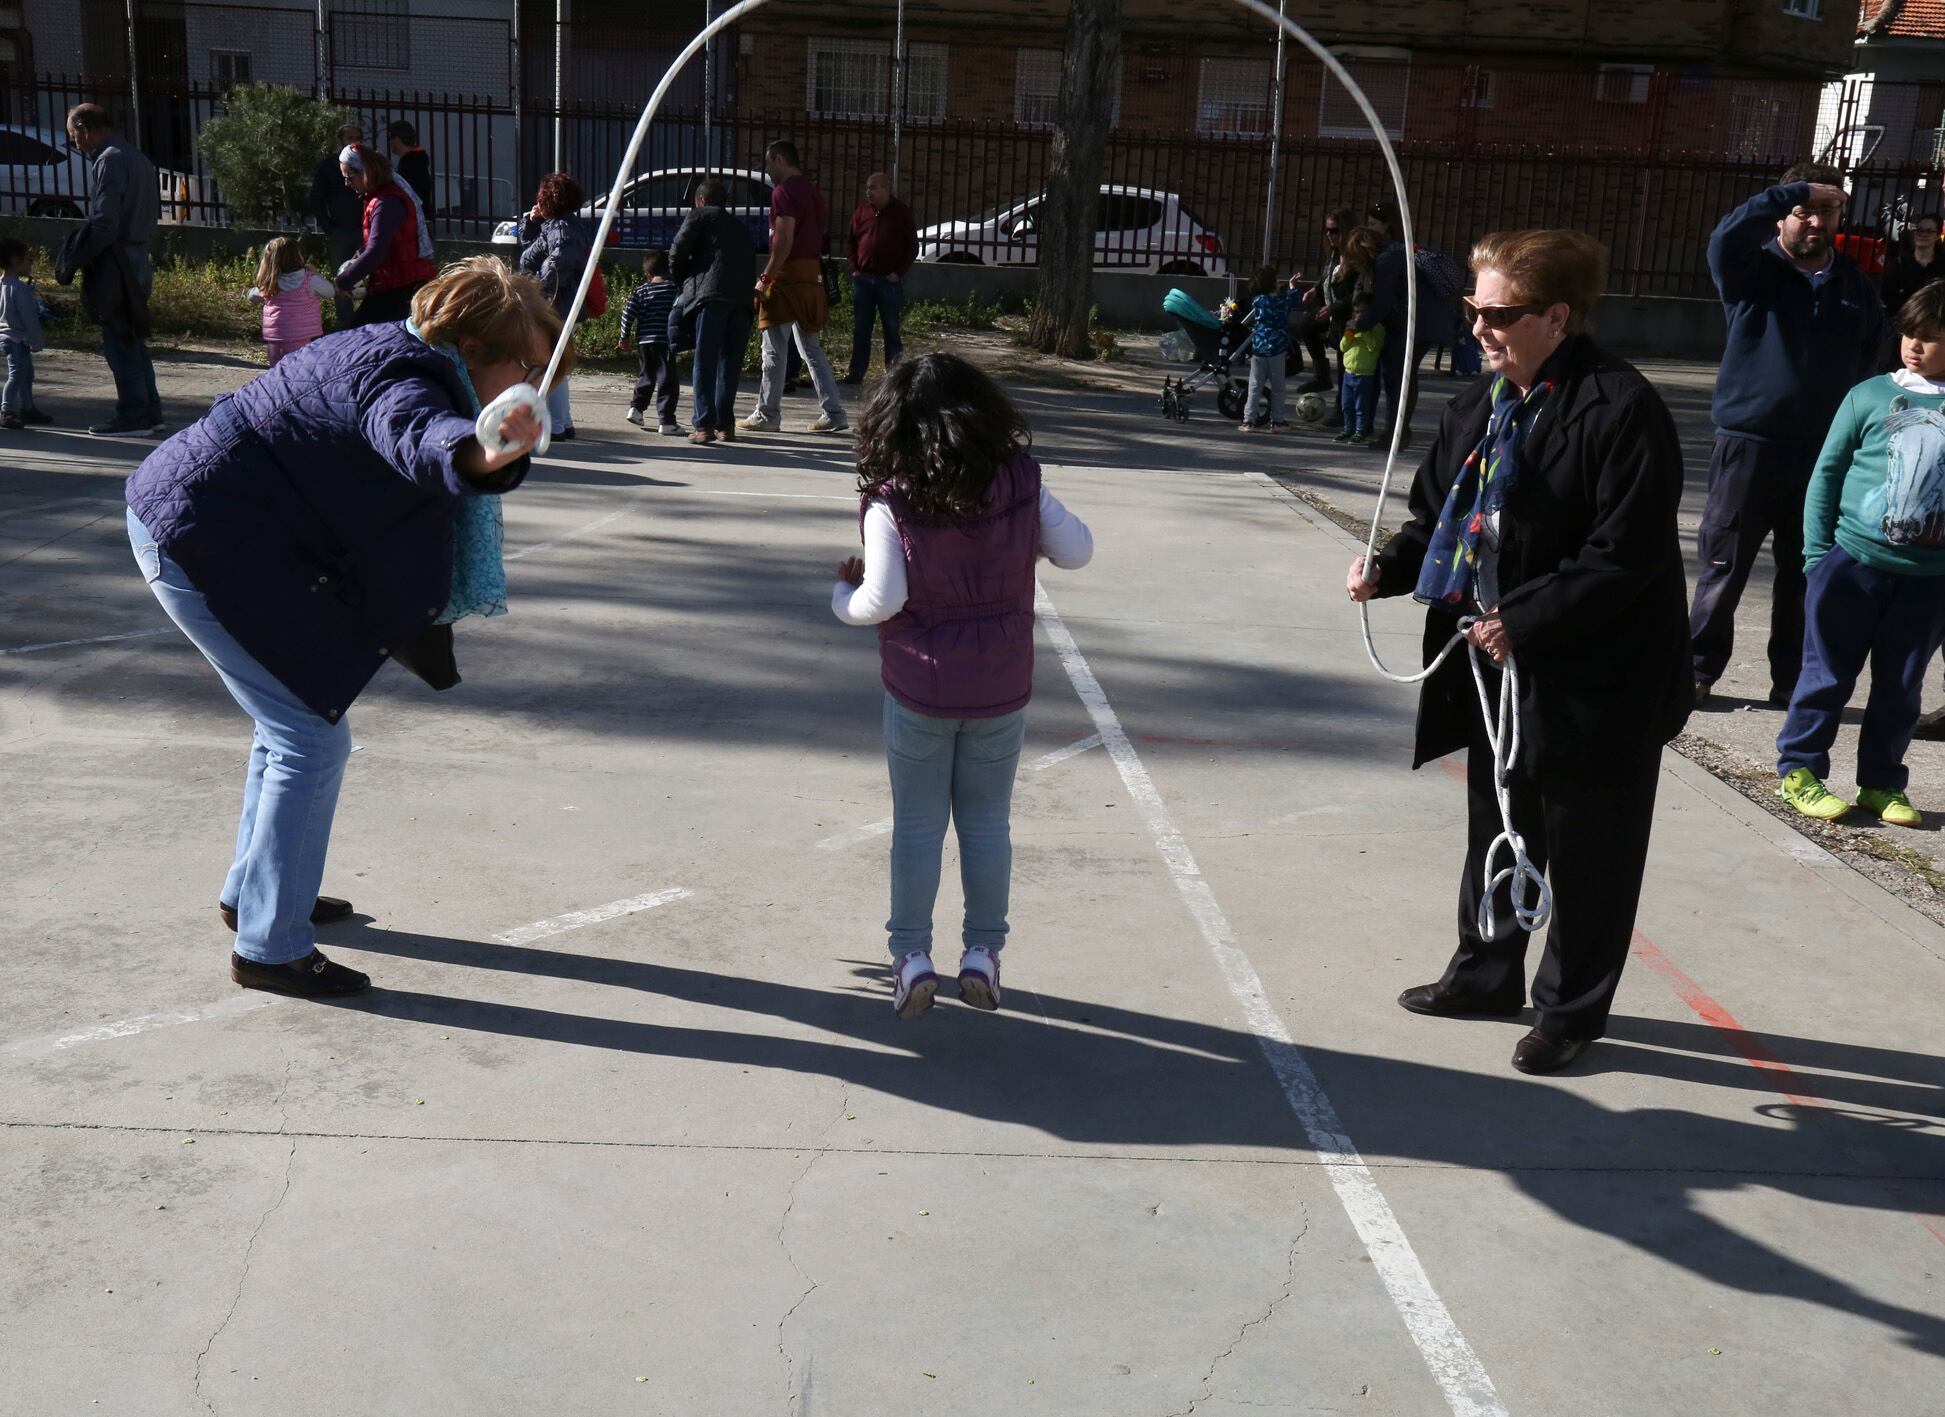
x,y
1454,1366
575,919
90,640
552,542
785,496
883,825
242,1003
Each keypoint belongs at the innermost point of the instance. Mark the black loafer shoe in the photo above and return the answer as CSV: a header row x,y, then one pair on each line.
x,y
327,910
312,977
1442,1001
1541,1052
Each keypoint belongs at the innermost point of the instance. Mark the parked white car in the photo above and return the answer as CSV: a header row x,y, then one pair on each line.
x,y
1135,229
40,175
654,206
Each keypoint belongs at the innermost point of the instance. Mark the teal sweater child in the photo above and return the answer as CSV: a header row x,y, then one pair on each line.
x,y
1879,487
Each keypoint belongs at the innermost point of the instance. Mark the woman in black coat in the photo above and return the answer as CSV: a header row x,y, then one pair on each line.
x,y
1547,504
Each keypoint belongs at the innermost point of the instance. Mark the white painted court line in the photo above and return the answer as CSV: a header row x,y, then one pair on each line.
x,y
598,522
91,640
785,496
882,826
241,1003
1454,1366
575,919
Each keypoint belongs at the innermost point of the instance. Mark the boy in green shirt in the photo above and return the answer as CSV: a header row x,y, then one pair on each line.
x,y
1358,396
1874,548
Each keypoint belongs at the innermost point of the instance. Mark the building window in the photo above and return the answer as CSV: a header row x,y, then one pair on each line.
x,y
1233,98
375,35
851,78
1804,9
1623,83
1481,89
1036,89
229,67
1385,77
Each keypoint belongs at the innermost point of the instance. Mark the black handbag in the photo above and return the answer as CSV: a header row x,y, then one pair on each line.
x,y
682,325
833,270
430,656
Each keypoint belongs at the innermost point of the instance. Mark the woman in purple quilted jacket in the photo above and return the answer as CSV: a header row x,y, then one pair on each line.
x,y
955,518
304,532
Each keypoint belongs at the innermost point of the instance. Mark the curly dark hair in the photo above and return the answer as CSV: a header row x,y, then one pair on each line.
x,y
936,432
559,195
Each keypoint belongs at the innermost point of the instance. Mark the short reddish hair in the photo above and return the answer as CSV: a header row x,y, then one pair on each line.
x,y
559,195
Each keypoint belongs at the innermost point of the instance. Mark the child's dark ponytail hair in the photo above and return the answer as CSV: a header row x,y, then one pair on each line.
x,y
936,432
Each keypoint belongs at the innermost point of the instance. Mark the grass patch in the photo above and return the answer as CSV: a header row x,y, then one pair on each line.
x,y
1916,862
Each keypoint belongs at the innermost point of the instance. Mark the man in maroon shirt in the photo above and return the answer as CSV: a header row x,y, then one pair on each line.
x,y
884,243
791,308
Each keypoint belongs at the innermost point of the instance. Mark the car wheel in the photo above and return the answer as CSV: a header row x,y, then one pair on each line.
x,y
53,206
1181,268
959,258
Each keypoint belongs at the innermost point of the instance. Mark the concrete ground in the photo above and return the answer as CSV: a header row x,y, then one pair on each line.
x,y
627,1126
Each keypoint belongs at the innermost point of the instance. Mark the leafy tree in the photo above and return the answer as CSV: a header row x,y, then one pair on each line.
x,y
264,146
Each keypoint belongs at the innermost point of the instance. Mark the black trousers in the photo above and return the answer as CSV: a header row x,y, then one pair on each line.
x,y
386,307
1756,490
655,381
1312,330
1588,830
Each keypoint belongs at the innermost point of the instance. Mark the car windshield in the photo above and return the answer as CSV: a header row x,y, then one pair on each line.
x,y
1192,218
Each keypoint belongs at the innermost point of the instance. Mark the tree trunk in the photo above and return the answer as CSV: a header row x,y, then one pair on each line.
x,y
1089,79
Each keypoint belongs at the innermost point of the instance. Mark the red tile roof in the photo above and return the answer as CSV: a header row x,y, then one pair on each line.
x,y
1902,19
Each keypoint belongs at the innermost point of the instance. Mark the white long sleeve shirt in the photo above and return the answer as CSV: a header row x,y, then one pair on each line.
x,y
1064,540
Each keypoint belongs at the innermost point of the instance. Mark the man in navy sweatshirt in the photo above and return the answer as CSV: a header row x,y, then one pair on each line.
x,y
1804,325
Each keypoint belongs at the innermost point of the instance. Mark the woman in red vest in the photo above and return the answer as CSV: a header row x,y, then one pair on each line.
x,y
396,258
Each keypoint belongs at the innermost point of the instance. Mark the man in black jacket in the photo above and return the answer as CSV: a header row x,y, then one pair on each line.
x,y
713,260
340,212
410,161
1804,324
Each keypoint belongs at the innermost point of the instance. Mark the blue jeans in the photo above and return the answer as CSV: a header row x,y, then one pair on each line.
x,y
722,334
560,412
962,769
136,400
874,298
291,792
1853,613
17,396
1360,400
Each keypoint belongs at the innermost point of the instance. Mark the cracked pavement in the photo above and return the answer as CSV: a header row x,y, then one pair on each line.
x,y
681,1159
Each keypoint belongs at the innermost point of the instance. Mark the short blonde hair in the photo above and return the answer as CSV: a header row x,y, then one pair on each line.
x,y
483,300
1555,267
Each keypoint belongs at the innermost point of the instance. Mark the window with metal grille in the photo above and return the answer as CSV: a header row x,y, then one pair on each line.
x,y
1233,98
1481,89
229,67
1385,78
1804,9
1623,83
852,78
1036,89
377,34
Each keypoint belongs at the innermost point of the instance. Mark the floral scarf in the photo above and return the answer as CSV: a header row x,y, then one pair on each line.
x,y
1450,573
479,575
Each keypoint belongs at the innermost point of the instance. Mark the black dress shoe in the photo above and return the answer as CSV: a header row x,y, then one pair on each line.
x,y
1542,1052
312,977
327,910
1441,1000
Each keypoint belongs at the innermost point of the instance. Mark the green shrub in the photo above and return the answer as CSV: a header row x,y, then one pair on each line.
x,y
264,146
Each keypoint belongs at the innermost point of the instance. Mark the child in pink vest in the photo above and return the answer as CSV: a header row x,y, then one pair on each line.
x,y
290,292
954,518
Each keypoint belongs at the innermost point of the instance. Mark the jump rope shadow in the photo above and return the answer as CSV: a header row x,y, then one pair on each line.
x,y
1097,1073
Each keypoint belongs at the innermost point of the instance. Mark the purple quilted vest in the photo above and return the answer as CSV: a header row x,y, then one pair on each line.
x,y
963,645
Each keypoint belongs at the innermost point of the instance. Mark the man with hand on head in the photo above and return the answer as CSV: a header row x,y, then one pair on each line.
x,y
1804,323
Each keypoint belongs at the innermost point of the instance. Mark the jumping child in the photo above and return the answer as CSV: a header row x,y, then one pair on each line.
x,y
645,323
1874,548
1362,351
20,336
290,291
954,517
1269,350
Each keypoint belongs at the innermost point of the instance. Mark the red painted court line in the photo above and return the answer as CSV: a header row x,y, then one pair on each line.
x,y
1716,1016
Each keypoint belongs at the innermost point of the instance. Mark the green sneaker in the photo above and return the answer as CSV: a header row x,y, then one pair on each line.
x,y
1802,791
1894,809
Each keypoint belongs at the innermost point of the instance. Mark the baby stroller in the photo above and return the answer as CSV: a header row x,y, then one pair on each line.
x,y
1221,344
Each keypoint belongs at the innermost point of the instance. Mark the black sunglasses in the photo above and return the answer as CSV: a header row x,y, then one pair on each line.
x,y
1333,231
1499,317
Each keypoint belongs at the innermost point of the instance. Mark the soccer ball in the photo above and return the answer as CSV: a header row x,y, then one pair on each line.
x,y
1310,408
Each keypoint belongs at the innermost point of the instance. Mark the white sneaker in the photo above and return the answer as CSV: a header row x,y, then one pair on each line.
x,y
914,985
979,978
824,423
671,430
758,422
635,417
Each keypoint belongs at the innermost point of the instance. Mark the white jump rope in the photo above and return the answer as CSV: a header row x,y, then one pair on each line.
x,y
1501,722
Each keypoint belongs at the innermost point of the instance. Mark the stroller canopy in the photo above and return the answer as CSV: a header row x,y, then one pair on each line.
x,y
1184,306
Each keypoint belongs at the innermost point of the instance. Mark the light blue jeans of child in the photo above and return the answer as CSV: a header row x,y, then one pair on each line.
x,y
1266,372
17,395
959,769
291,793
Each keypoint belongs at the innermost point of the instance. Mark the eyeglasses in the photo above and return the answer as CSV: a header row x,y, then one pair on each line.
x,y
1499,317
1333,231
532,373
